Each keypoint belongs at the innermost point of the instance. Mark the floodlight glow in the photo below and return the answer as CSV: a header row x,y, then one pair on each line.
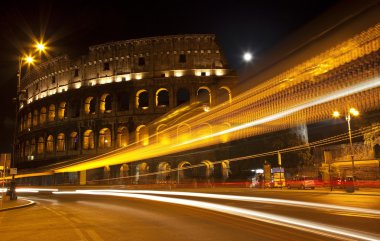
x,y
247,57
336,114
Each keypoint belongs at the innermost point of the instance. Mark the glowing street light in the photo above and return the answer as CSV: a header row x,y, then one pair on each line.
x,y
40,47
247,57
351,112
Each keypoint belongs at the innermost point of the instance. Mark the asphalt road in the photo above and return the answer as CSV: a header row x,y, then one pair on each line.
x,y
97,217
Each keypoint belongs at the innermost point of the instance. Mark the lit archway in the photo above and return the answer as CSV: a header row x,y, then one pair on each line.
x,y
51,116
204,129
161,135
224,95
163,170
122,136
88,140
207,170
50,144
204,95
62,110
60,142
141,169
41,145
184,171
43,115
226,171
162,98
124,170
142,99
105,103
90,105
142,135
105,138
35,117
73,142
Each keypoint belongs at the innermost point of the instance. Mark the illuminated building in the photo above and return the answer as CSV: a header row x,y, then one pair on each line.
x,y
77,108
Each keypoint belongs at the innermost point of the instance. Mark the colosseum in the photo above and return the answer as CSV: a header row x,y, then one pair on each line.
x,y
74,109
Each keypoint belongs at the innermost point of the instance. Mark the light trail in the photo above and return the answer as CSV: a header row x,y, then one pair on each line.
x,y
283,202
299,224
321,100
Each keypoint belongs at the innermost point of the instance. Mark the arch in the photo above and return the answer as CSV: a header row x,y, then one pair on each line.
x,y
43,115
50,144
184,171
204,95
73,142
207,170
88,140
204,129
142,99
226,170
105,103
222,127
62,110
41,145
183,96
123,101
122,136
33,146
142,135
162,98
35,117
124,170
105,140
141,169
163,170
183,132
162,136
51,116
90,105
60,142
74,108
29,122
224,94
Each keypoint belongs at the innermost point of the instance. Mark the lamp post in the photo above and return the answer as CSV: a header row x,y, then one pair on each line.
x,y
351,112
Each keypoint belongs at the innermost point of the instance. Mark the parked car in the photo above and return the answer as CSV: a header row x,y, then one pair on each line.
x,y
301,182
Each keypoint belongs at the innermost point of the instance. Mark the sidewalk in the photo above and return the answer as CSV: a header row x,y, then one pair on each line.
x,y
6,205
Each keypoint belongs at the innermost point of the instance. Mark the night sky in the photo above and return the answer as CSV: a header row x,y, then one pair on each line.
x,y
70,27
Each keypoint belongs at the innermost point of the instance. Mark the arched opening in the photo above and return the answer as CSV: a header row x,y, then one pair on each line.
x,y
60,142
123,101
184,172
162,98
33,147
224,94
226,171
141,169
29,122
204,130
222,127
62,111
73,142
163,172
41,145
88,140
50,144
204,95
43,115
142,135
35,117
183,96
162,136
183,133
142,99
206,171
124,170
376,151
51,112
105,138
105,103
75,108
122,136
90,105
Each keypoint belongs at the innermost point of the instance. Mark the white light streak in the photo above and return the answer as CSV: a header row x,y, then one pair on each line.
x,y
306,226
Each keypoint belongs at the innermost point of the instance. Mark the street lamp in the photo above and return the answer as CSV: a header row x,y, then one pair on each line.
x,y
351,112
247,57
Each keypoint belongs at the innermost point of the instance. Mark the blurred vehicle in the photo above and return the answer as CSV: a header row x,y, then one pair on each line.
x,y
301,182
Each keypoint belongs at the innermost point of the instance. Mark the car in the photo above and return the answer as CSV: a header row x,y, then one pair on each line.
x,y
301,182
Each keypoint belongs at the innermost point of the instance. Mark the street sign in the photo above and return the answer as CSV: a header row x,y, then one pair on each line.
x,y
13,171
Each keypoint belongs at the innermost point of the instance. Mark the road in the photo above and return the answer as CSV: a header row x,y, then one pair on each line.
x,y
99,217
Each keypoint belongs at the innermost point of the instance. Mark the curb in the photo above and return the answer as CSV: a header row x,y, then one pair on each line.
x,y
20,206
